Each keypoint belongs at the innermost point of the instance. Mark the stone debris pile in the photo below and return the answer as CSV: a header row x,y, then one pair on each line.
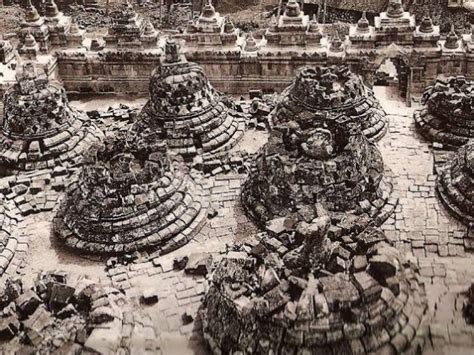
x,y
448,117
196,121
455,184
131,197
299,290
71,315
331,91
39,129
331,163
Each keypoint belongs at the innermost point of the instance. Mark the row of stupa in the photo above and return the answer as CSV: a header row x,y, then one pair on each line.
x,y
292,29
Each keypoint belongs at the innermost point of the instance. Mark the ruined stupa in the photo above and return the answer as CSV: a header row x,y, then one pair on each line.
x,y
39,129
130,198
331,163
448,115
186,111
331,91
299,291
455,184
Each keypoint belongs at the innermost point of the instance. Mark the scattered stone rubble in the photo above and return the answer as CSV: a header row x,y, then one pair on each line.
x,y
455,184
331,163
196,121
449,112
331,91
72,315
132,197
39,129
299,290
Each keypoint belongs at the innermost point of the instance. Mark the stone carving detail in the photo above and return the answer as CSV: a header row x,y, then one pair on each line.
x,y
332,91
448,114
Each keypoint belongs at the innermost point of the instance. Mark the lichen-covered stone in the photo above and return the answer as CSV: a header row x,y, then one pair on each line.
x,y
448,115
331,91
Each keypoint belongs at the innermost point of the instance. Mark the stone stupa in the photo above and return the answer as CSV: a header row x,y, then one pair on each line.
x,y
331,91
455,184
448,115
330,162
129,198
40,129
300,291
187,112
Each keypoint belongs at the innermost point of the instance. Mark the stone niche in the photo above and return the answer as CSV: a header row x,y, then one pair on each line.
x,y
455,184
186,111
299,291
331,91
129,198
448,115
39,129
330,162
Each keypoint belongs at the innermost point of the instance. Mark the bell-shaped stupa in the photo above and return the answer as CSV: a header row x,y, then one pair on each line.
x,y
40,129
130,198
331,91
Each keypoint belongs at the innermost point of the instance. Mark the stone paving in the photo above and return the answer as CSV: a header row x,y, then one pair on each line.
x,y
421,227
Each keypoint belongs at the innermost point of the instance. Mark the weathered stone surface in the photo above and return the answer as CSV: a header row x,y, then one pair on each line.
x,y
331,91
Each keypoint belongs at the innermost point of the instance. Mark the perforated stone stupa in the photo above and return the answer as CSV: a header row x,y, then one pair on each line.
x,y
39,128
131,198
448,115
331,91
186,111
455,184
301,292
331,163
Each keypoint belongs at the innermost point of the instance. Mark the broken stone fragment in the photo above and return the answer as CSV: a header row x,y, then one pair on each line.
x,y
270,279
149,296
27,303
199,264
35,325
59,296
66,312
179,263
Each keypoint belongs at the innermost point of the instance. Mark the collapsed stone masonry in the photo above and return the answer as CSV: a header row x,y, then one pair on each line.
x,y
331,91
186,111
129,198
39,129
448,115
65,314
330,162
300,291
